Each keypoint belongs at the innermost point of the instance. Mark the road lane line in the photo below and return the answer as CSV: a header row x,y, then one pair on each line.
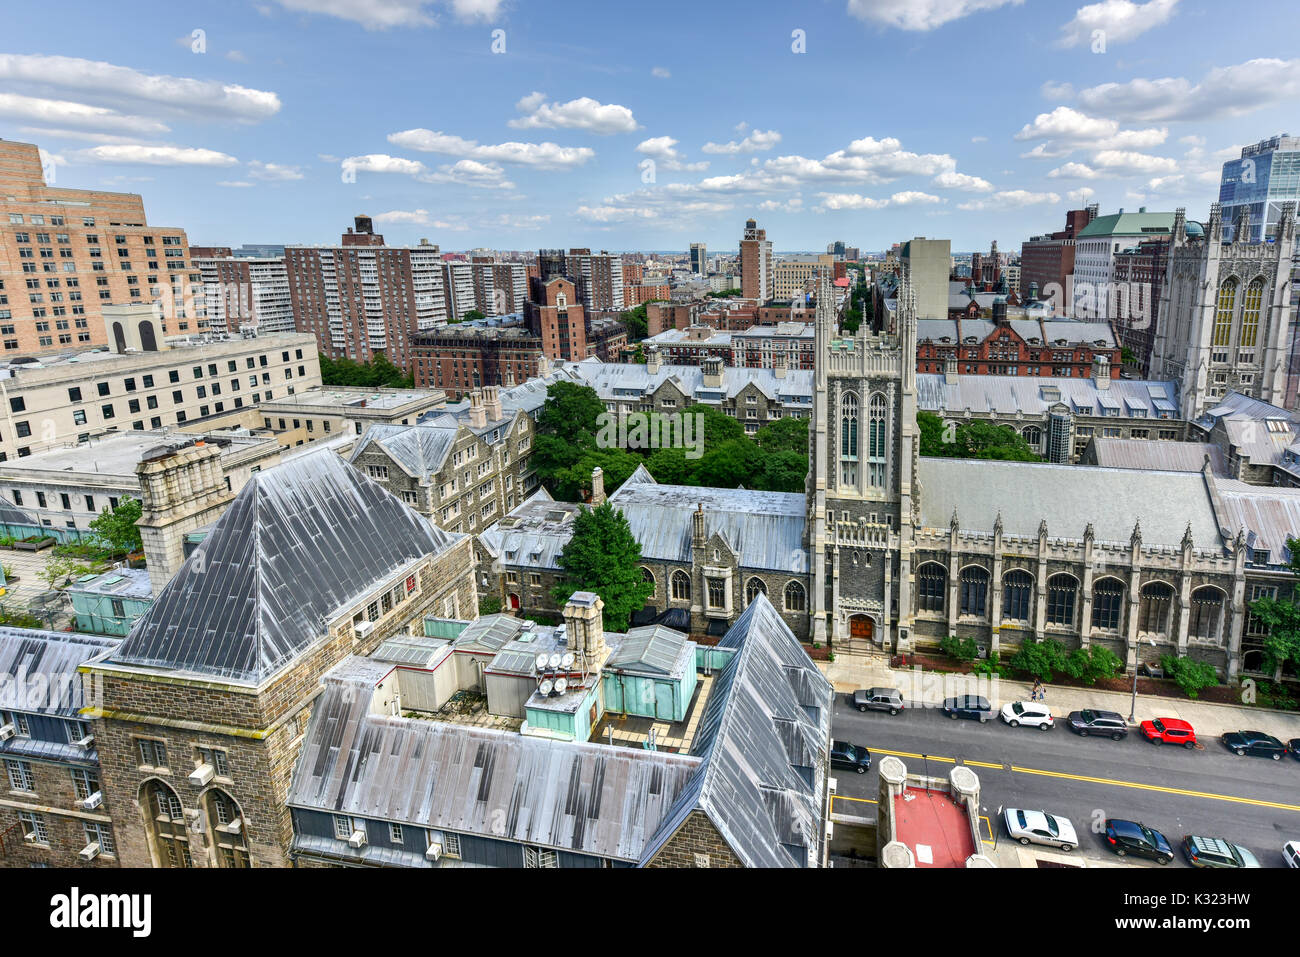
x,y
919,757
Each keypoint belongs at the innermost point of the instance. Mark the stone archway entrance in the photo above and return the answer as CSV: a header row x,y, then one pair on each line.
x,y
862,628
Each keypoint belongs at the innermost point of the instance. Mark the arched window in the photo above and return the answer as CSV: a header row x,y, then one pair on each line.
x,y
795,597
165,821
849,439
1033,435
229,836
1108,604
1153,613
931,583
974,591
1061,590
1250,314
1017,592
876,444
1223,309
119,337
753,588
717,592
649,578
681,586
1207,614
148,342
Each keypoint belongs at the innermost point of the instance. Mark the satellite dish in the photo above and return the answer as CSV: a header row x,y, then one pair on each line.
x,y
560,685
545,687
541,662
555,660
567,661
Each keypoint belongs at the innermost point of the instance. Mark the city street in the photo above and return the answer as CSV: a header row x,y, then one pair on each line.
x,y
1250,801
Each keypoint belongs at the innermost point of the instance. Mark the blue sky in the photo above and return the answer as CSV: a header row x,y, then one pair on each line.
x,y
968,119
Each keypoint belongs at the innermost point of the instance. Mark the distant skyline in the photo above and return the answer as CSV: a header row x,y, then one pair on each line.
x,y
515,124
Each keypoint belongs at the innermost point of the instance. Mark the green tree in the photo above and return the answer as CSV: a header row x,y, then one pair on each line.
x,y
489,605
1091,663
603,557
963,649
671,467
376,374
1190,675
972,440
1281,618
61,568
727,294
783,472
636,322
118,527
1041,659
784,435
566,431
730,464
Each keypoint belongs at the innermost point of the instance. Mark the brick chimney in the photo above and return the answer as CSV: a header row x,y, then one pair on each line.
x,y
711,366
585,628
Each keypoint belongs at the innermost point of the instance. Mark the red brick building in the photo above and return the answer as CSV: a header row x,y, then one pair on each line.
x,y
461,358
1048,261
558,318
1015,347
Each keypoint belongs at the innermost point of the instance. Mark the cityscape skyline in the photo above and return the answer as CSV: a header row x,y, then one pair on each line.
x,y
232,133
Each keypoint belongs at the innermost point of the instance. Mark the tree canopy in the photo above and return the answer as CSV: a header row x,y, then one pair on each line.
x,y
118,528
1281,617
603,557
972,440
376,374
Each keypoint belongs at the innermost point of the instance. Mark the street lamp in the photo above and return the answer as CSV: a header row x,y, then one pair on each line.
x,y
1132,708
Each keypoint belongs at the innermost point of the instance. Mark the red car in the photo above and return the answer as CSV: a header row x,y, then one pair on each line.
x,y
1169,731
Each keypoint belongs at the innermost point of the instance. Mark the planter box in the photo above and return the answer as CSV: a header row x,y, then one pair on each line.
x,y
36,546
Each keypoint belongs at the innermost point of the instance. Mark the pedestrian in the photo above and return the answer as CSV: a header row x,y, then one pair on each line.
x,y
1036,693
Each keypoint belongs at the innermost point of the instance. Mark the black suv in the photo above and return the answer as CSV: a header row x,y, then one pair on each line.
x,y
1109,723
1131,837
854,757
1256,743
972,707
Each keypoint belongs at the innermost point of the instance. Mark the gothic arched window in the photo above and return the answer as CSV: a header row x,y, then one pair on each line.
x,y
877,414
849,439
1250,314
1223,309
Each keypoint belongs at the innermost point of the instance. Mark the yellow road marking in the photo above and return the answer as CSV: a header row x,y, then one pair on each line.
x,y
989,824
983,764
920,757
1210,795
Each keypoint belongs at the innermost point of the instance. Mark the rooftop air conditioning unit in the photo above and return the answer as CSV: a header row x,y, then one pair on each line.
x,y
201,775
434,851
85,742
92,802
364,628
232,827
7,731
358,838
90,851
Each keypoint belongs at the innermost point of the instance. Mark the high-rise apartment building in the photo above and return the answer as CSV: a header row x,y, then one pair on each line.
x,y
555,314
597,277
458,289
1047,261
699,259
1266,176
928,262
757,280
246,292
1094,293
67,253
500,289
363,297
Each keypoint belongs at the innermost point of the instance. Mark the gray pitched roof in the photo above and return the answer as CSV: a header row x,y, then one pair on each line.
x,y
1269,516
299,542
1034,395
587,798
419,450
613,381
653,649
764,737
1165,456
54,656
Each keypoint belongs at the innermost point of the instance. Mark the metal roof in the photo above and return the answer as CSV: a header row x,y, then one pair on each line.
x,y
11,514
1035,395
592,799
118,582
764,737
411,650
1069,498
299,542
654,649
1163,456
630,380
489,634
419,450
1269,516
41,668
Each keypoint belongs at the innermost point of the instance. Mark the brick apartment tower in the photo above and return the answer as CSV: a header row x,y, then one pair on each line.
x,y
556,315
66,253
757,279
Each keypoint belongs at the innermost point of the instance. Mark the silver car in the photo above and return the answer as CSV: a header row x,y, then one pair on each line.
x,y
1039,827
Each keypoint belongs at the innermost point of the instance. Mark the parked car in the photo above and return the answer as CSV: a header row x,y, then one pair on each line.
x,y
971,707
1294,747
1039,827
1028,713
1109,723
1133,837
854,757
1213,852
877,699
1255,743
1151,669
1291,851
1169,731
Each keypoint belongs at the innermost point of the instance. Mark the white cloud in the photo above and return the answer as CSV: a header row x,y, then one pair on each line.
x,y
507,221
755,142
662,149
662,72
273,172
792,205
970,184
236,56
541,155
1166,183
74,116
96,80
417,217
236,184
1065,130
838,201
1127,161
979,139
921,14
47,132
1081,195
614,214
484,10
1011,199
469,172
383,163
156,155
1074,171
1051,90
371,14
1224,92
583,113
1120,21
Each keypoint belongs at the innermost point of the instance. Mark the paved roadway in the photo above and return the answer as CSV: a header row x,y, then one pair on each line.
x,y
1250,801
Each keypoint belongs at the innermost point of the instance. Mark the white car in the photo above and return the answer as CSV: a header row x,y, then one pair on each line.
x,y
1029,713
1291,851
1039,827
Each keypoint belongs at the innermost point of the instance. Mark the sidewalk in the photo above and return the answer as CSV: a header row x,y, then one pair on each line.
x,y
849,672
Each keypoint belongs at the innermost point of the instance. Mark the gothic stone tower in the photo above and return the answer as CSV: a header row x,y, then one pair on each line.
x,y
862,488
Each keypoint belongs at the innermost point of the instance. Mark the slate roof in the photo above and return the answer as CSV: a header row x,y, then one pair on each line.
x,y
533,534
1269,516
613,381
1261,433
1037,332
419,450
1163,456
763,736
1034,395
587,798
299,542
1068,497
53,655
